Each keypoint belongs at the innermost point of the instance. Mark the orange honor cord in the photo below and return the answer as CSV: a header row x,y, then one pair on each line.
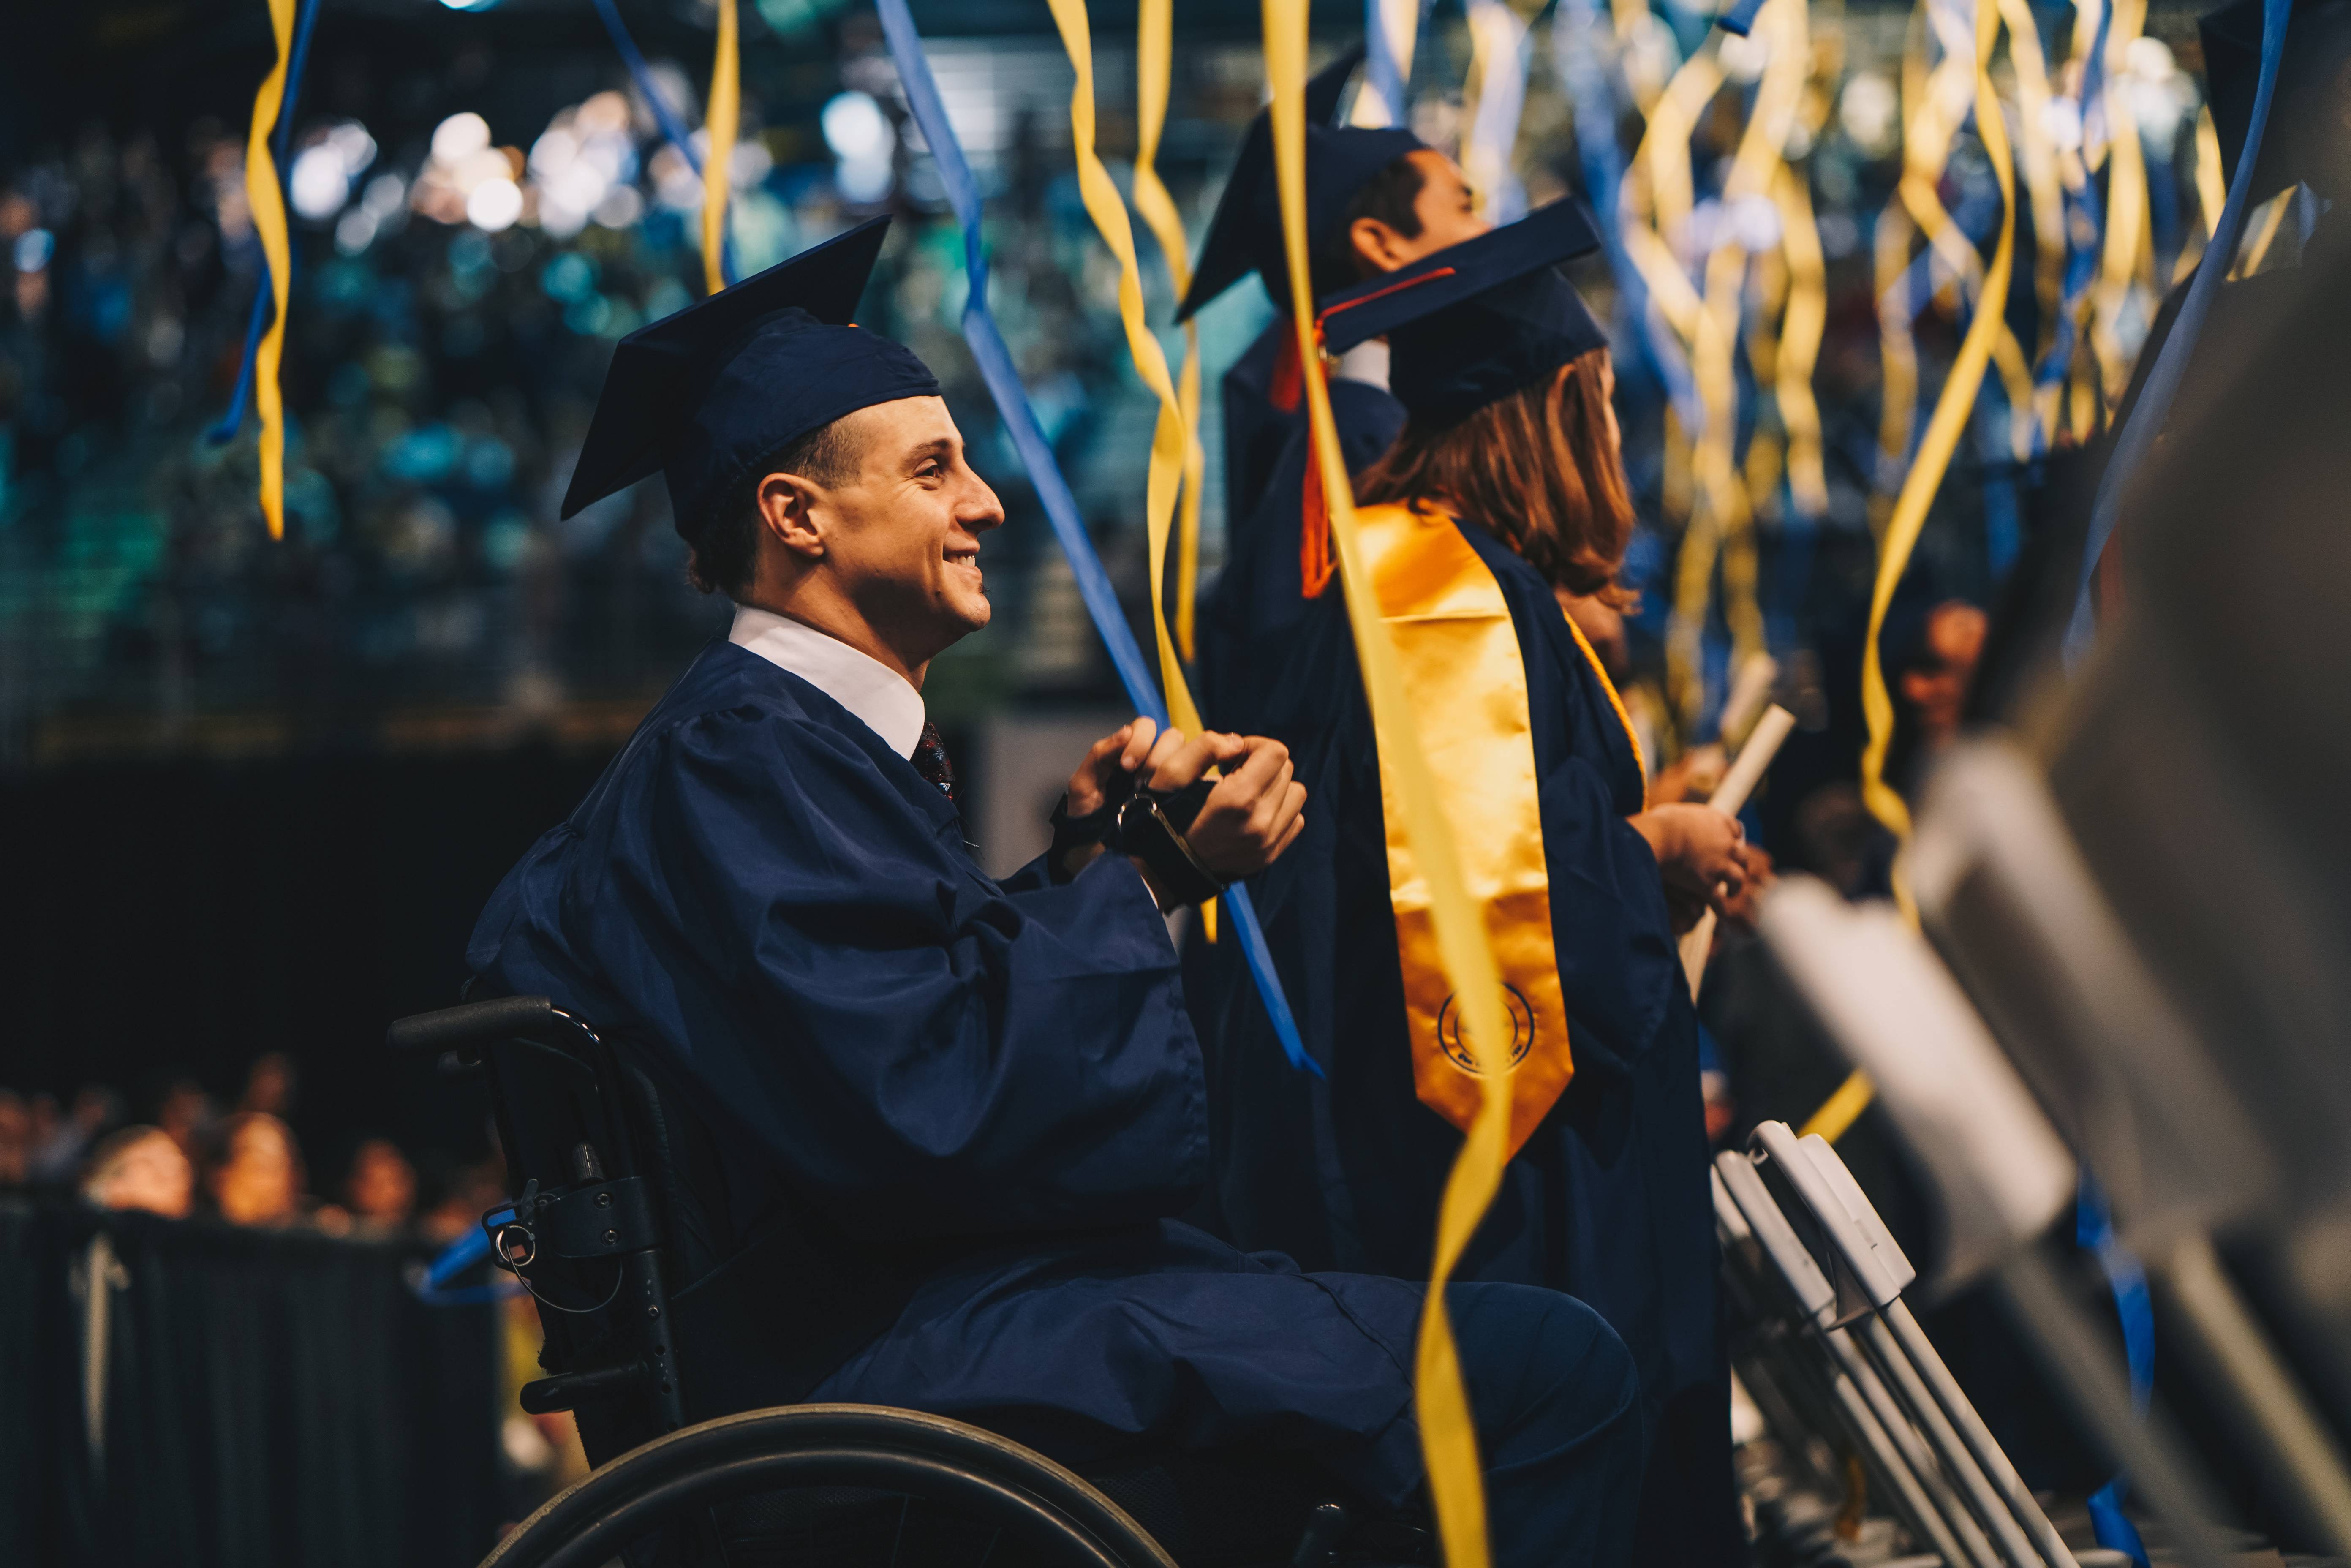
x,y
1448,1439
267,200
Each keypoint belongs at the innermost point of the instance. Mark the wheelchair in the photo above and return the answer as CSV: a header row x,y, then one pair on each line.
x,y
652,1314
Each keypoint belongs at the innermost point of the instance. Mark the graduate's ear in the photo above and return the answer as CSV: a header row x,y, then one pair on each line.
x,y
787,515
1381,247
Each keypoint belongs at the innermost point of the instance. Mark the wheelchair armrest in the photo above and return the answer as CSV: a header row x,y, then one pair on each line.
x,y
474,1024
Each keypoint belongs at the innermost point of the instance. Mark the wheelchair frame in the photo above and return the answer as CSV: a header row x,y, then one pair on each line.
x,y
616,1363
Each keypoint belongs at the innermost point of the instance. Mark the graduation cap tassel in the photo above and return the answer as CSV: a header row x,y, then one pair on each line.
x,y
2138,433
1448,1437
1012,405
264,297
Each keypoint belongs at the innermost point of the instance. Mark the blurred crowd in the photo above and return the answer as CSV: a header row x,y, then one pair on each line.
x,y
456,288
194,1156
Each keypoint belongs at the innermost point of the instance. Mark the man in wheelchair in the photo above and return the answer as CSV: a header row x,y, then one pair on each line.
x,y
951,1116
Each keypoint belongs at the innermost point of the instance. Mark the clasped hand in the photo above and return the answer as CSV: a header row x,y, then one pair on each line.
x,y
1703,854
1254,813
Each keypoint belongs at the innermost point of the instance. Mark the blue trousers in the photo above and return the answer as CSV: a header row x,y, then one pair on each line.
x,y
1162,1337
1558,1410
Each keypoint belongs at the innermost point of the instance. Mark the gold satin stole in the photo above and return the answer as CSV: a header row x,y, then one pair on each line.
x,y
1466,681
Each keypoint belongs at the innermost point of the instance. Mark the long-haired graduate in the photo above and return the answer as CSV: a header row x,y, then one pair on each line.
x,y
1502,499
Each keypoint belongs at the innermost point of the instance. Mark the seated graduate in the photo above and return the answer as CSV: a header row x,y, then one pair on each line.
x,y
1376,200
964,1108
1504,494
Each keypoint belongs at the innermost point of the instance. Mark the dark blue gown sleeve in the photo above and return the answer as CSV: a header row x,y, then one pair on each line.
x,y
919,1048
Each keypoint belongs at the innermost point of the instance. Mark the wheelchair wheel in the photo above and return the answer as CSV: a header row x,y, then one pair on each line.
x,y
857,1485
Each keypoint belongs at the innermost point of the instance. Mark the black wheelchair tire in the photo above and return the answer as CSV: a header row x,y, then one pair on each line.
x,y
929,1456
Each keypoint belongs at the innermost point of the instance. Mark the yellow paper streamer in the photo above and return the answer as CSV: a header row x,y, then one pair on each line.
x,y
1448,1439
263,194
1154,53
1841,1110
1169,438
723,119
2128,221
2264,233
1799,341
1909,516
2212,191
2038,153
1943,431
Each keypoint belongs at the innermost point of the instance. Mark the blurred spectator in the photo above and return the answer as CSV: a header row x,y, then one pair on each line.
x,y
56,1157
142,1168
257,1178
184,1112
42,1122
1937,674
380,1191
467,1193
16,1138
270,1086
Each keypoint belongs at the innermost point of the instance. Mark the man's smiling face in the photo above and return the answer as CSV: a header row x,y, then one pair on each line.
x,y
901,536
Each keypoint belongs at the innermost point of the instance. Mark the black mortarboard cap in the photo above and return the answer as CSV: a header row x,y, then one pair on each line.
x,y
1244,235
1475,321
2318,41
708,394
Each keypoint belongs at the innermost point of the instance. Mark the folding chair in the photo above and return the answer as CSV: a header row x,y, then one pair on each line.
x,y
2003,1178
1794,1211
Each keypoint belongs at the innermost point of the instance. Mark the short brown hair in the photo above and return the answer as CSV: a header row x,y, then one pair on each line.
x,y
726,557
1537,467
1388,196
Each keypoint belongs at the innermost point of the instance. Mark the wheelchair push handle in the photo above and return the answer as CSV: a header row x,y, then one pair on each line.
x,y
471,1026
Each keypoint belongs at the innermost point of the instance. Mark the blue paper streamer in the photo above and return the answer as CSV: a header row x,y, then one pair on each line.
x,y
258,320
1576,26
2085,222
1004,384
432,1284
1739,18
2126,1279
2145,421
1383,72
672,128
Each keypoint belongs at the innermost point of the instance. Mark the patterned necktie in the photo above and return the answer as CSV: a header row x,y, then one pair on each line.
x,y
931,761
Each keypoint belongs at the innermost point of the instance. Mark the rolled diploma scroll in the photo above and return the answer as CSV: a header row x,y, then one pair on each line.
x,y
1729,798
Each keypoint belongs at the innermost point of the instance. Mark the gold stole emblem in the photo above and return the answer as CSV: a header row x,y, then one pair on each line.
x,y
1466,681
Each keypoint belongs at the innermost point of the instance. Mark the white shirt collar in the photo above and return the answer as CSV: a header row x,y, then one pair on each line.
x,y
1367,362
883,698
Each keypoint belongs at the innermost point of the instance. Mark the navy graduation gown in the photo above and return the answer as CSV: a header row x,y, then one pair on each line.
x,y
1608,1201
991,1088
1259,432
